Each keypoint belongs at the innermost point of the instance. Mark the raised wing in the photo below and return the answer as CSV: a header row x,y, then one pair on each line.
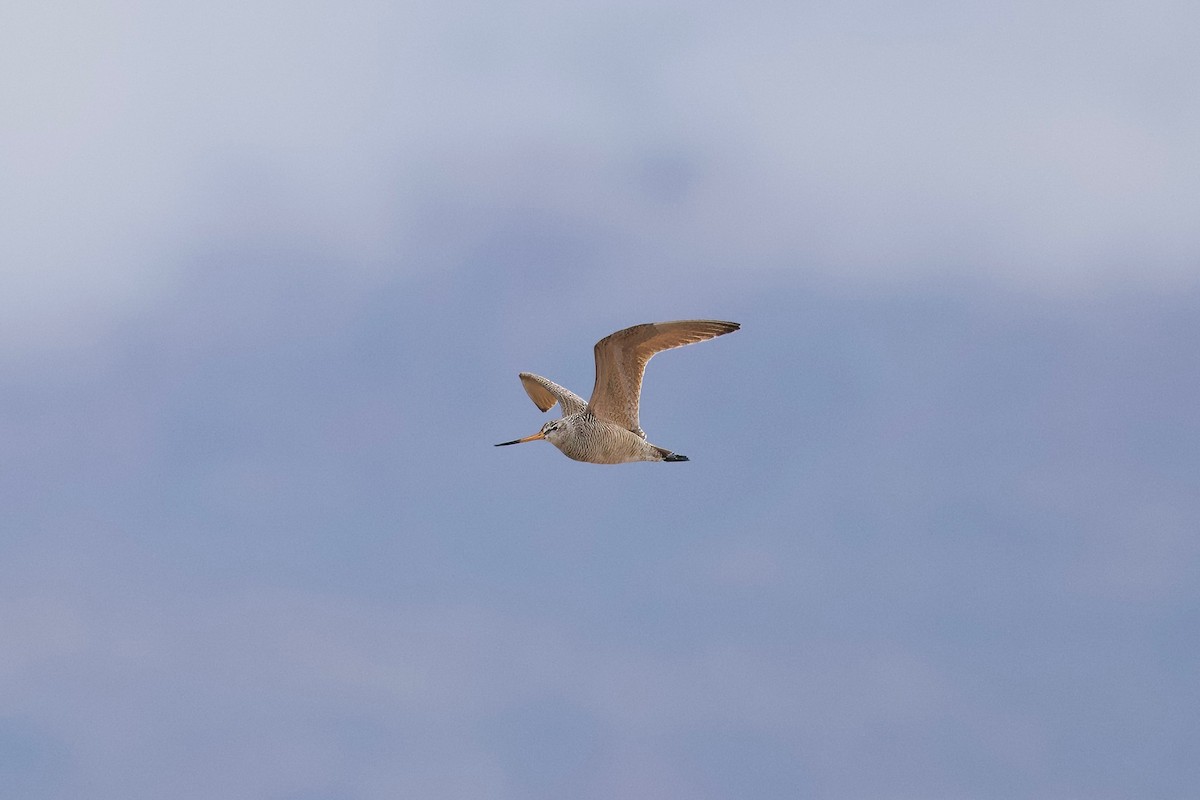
x,y
545,393
621,361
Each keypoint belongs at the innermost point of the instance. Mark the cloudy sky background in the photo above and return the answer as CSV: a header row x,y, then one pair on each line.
x,y
268,272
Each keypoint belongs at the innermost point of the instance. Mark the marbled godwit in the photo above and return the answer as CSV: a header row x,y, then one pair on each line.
x,y
605,429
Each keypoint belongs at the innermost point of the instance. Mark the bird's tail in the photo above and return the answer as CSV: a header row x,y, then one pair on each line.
x,y
667,455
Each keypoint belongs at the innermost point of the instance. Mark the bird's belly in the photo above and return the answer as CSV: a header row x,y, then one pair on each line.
x,y
609,444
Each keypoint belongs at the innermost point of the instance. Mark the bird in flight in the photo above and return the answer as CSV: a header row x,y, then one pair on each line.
x,y
605,429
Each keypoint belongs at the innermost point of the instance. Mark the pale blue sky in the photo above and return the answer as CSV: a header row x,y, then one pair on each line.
x,y
268,275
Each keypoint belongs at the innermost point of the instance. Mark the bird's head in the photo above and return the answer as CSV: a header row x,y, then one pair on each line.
x,y
553,431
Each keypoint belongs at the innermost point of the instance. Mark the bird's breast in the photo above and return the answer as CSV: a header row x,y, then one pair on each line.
x,y
599,442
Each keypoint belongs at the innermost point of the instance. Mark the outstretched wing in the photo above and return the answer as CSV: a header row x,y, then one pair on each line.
x,y
621,361
545,393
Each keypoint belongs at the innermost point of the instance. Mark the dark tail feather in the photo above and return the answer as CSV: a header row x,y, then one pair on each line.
x,y
668,455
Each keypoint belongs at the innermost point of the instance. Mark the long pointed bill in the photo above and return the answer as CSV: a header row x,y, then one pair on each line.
x,y
537,435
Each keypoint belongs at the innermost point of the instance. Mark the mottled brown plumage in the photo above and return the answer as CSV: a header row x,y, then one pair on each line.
x,y
606,429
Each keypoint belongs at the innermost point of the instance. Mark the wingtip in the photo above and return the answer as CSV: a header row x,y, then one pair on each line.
x,y
722,327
